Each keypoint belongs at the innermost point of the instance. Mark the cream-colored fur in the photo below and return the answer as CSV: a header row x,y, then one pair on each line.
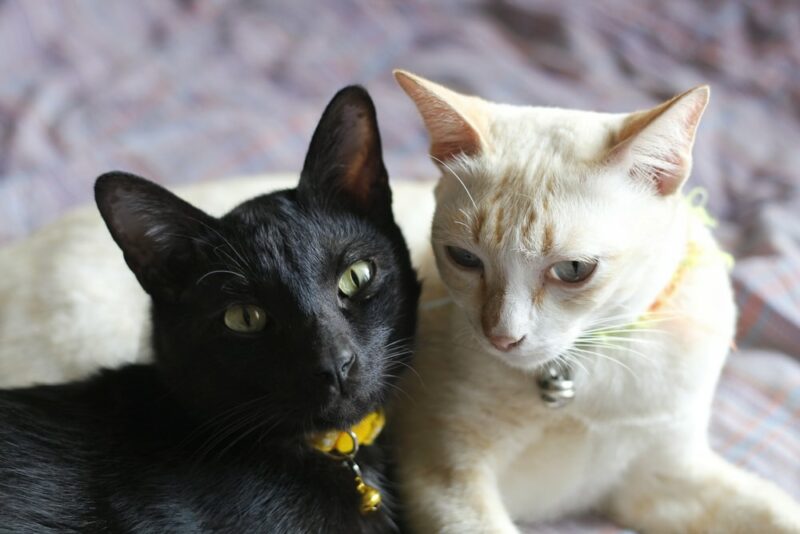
x,y
523,188
69,304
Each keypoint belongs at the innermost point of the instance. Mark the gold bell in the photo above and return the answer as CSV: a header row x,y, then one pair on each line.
x,y
370,497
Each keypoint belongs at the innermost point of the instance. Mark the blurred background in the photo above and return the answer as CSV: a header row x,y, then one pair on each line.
x,y
186,91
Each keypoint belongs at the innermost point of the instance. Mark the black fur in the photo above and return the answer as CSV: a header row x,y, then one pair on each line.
x,y
212,437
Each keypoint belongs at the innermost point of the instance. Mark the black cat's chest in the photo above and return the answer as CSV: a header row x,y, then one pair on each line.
x,y
270,490
115,460
314,492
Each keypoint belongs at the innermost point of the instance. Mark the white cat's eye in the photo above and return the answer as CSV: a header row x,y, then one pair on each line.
x,y
572,271
355,278
245,318
464,258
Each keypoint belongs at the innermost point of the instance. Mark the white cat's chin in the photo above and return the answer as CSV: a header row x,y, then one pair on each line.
x,y
522,360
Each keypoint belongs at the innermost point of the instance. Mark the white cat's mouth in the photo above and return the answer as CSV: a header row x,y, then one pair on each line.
x,y
525,359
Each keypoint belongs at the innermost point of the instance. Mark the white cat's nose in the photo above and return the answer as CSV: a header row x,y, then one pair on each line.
x,y
505,343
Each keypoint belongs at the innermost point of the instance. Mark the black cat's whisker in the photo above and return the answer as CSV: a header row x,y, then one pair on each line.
x,y
231,430
199,280
398,389
398,341
253,429
216,249
245,262
410,368
226,421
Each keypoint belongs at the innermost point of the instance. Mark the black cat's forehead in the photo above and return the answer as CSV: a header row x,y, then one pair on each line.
x,y
287,242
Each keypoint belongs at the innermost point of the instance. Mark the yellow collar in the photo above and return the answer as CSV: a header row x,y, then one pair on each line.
x,y
346,442
343,445
692,258
696,200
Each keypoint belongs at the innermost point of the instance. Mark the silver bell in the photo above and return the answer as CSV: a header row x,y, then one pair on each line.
x,y
556,387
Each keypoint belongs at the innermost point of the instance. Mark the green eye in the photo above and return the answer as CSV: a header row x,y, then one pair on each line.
x,y
245,318
572,272
355,278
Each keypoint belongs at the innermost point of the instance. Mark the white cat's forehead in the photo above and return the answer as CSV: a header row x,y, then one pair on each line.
x,y
568,209
561,133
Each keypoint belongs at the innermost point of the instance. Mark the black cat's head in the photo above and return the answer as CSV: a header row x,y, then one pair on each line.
x,y
298,306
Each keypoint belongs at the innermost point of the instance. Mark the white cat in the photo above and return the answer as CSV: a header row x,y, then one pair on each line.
x,y
591,313
61,289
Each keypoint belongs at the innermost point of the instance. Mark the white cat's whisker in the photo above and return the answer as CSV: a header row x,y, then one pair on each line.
x,y
622,339
605,357
618,348
565,357
446,166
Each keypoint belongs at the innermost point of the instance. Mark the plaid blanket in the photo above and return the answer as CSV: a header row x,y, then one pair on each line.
x,y
187,90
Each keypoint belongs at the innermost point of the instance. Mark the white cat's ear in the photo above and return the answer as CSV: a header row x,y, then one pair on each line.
x,y
655,145
455,122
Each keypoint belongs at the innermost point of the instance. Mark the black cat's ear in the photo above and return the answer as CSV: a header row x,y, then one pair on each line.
x,y
159,233
345,161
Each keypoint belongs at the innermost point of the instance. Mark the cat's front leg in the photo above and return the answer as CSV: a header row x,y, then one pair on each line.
x,y
449,499
701,494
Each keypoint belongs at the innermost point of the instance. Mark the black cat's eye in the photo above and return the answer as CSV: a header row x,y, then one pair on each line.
x,y
464,258
355,278
245,318
572,271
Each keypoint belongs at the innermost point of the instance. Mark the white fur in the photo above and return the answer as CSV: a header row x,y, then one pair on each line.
x,y
478,448
69,304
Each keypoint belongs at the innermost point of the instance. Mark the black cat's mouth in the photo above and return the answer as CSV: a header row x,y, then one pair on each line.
x,y
346,408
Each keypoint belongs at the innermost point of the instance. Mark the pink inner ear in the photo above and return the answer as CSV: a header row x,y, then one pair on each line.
x,y
664,180
450,131
658,142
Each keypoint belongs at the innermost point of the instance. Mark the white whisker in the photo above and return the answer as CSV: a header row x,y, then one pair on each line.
x,y
446,166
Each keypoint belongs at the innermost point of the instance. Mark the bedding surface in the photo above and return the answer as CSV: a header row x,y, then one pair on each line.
x,y
187,91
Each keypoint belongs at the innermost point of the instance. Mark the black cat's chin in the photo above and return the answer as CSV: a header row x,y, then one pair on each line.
x,y
355,400
342,410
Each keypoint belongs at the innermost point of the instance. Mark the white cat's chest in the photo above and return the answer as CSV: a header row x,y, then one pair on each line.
x,y
569,468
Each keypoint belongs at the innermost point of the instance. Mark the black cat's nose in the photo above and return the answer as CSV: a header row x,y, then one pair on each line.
x,y
337,368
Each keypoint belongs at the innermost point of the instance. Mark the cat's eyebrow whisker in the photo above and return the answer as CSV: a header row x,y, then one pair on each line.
x,y
446,166
216,249
199,280
224,239
462,223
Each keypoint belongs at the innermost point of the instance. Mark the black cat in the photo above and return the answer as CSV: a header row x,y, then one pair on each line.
x,y
286,317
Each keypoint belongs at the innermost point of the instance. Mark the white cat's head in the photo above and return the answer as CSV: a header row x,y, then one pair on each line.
x,y
550,222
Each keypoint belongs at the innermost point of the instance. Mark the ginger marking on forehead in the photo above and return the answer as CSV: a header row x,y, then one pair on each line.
x,y
530,220
499,226
477,224
547,239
